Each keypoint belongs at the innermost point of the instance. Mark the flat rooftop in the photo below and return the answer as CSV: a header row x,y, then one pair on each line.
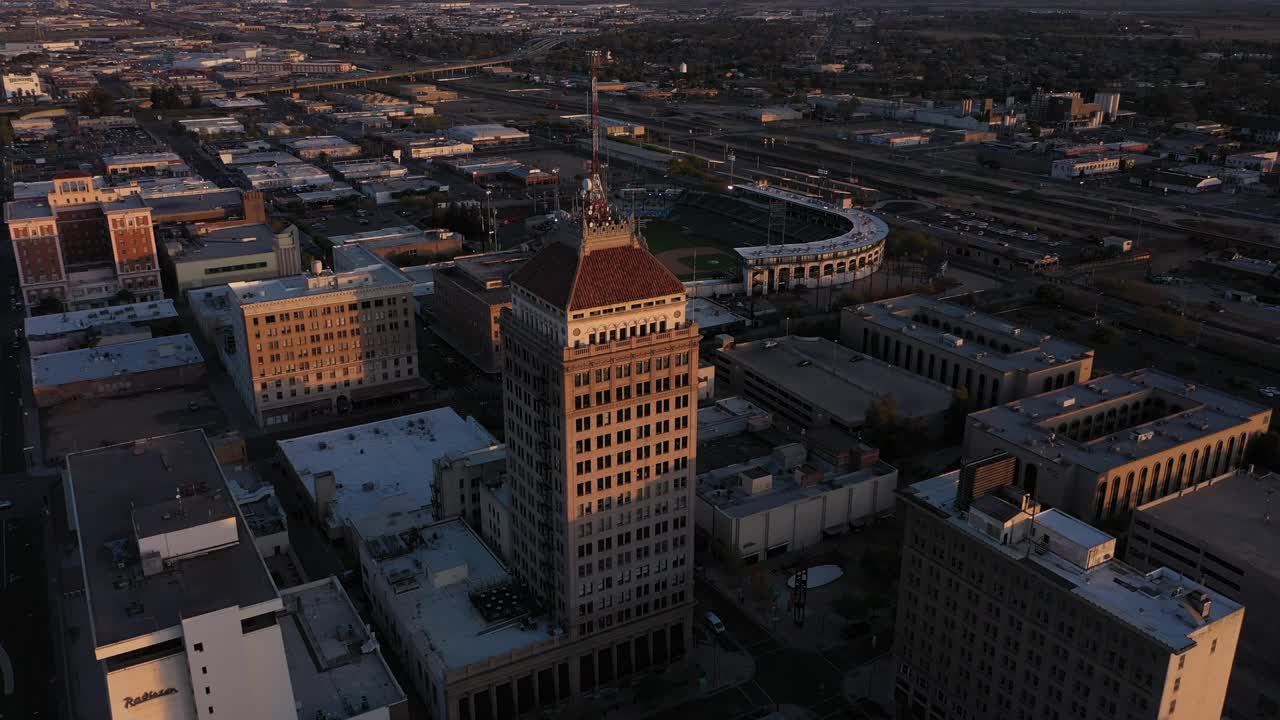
x,y
27,209
384,466
720,488
488,274
108,485
710,315
1228,513
238,241
159,353
298,286
318,141
396,232
1180,413
842,382
165,206
159,158
1007,347
435,570
62,323
335,673
1150,603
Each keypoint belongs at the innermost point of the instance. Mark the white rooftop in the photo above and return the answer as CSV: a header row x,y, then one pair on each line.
x,y
385,466
60,323
398,232
711,315
434,581
1151,603
122,359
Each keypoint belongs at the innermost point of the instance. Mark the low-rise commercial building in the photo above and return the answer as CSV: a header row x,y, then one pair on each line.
x,y
423,146
135,164
1077,167
352,170
207,256
313,344
317,146
336,666
406,463
1220,533
120,369
405,241
1102,448
992,359
469,298
812,383
212,126
789,500
100,327
1009,610
384,192
284,177
487,135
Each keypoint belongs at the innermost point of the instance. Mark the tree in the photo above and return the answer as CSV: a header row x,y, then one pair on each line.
x,y
125,296
96,102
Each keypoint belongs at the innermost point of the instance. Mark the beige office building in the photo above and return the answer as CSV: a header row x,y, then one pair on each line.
x,y
1007,610
314,344
996,362
1224,534
1102,448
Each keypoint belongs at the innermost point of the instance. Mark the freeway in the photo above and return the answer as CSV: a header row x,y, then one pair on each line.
x,y
537,47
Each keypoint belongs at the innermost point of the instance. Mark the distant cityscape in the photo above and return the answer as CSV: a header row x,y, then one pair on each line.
x,y
374,360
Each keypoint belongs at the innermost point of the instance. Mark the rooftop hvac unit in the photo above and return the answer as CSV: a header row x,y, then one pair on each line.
x,y
1143,435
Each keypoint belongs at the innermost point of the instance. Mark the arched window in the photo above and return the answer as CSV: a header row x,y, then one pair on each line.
x,y
1220,460
1127,497
1195,466
1099,497
1115,489
1048,384
1030,477
1142,488
1071,378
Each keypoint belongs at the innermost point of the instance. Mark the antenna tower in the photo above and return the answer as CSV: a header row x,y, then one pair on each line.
x,y
595,59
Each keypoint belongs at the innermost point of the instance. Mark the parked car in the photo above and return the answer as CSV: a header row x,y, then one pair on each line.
x,y
713,621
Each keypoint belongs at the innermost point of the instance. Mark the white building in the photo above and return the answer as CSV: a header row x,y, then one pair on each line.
x,y
788,500
397,465
183,612
18,86
60,332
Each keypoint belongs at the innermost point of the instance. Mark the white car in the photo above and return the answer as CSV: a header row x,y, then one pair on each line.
x,y
713,621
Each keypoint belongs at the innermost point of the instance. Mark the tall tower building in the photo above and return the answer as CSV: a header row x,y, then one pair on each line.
x,y
600,388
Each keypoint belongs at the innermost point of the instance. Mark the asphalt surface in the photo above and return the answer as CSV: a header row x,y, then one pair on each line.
x,y
785,676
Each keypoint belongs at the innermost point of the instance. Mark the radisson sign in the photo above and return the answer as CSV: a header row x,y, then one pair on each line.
x,y
148,696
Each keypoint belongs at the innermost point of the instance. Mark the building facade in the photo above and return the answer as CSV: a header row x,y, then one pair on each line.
x,y
1221,533
320,343
1102,448
1008,610
87,244
994,361
470,297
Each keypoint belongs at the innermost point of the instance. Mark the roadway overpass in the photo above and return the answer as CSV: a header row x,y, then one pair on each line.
x,y
538,47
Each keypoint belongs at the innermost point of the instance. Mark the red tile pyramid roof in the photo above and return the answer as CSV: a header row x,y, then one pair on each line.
x,y
607,276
